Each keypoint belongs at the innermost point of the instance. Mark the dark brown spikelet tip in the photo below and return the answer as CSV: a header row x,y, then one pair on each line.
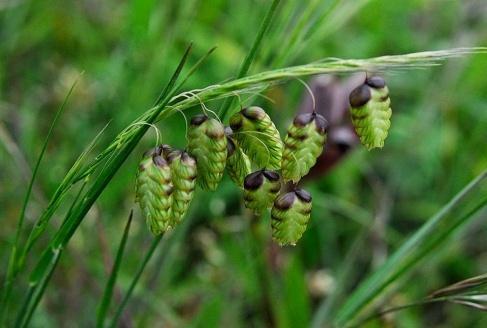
x,y
164,150
303,195
286,201
360,96
173,155
152,152
321,124
271,175
230,147
254,180
159,160
228,131
253,113
198,119
304,119
376,82
215,133
187,158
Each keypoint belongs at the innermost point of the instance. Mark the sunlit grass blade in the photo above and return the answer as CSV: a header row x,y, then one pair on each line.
x,y
432,235
252,53
10,276
107,294
135,280
43,269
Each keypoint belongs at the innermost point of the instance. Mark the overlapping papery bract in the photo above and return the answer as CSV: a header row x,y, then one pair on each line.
x,y
258,137
303,144
290,215
208,144
238,163
183,171
371,112
154,191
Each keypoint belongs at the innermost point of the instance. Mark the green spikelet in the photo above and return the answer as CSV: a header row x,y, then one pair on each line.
x,y
290,215
303,144
238,164
183,171
371,112
258,137
260,190
154,191
208,144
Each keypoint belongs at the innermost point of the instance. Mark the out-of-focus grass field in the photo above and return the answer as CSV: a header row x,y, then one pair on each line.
x,y
206,273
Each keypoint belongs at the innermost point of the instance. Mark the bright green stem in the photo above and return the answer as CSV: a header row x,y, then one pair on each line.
x,y
460,210
135,280
107,294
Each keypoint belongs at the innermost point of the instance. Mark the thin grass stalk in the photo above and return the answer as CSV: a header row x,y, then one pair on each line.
x,y
252,54
459,211
10,277
135,280
43,268
107,294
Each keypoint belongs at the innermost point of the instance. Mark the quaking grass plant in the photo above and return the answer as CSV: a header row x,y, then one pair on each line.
x,y
92,177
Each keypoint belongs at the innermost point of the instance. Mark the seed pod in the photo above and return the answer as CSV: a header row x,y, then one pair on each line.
x,y
238,163
154,191
258,137
208,144
260,190
183,172
303,144
290,215
371,112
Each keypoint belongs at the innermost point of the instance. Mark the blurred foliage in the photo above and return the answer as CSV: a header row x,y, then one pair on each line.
x,y
213,272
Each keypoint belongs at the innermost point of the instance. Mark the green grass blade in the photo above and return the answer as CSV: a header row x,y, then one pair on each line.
x,y
135,280
194,68
107,294
43,270
34,295
460,210
252,53
13,258
58,196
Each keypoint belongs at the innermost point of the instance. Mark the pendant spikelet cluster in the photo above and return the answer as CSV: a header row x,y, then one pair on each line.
x,y
267,169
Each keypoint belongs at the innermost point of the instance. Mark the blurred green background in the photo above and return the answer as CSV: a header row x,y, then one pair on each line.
x,y
207,273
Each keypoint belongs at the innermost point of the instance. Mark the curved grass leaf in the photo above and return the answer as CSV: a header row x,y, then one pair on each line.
x,y
433,234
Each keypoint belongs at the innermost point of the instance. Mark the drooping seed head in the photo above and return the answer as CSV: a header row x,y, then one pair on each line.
x,y
303,144
371,111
